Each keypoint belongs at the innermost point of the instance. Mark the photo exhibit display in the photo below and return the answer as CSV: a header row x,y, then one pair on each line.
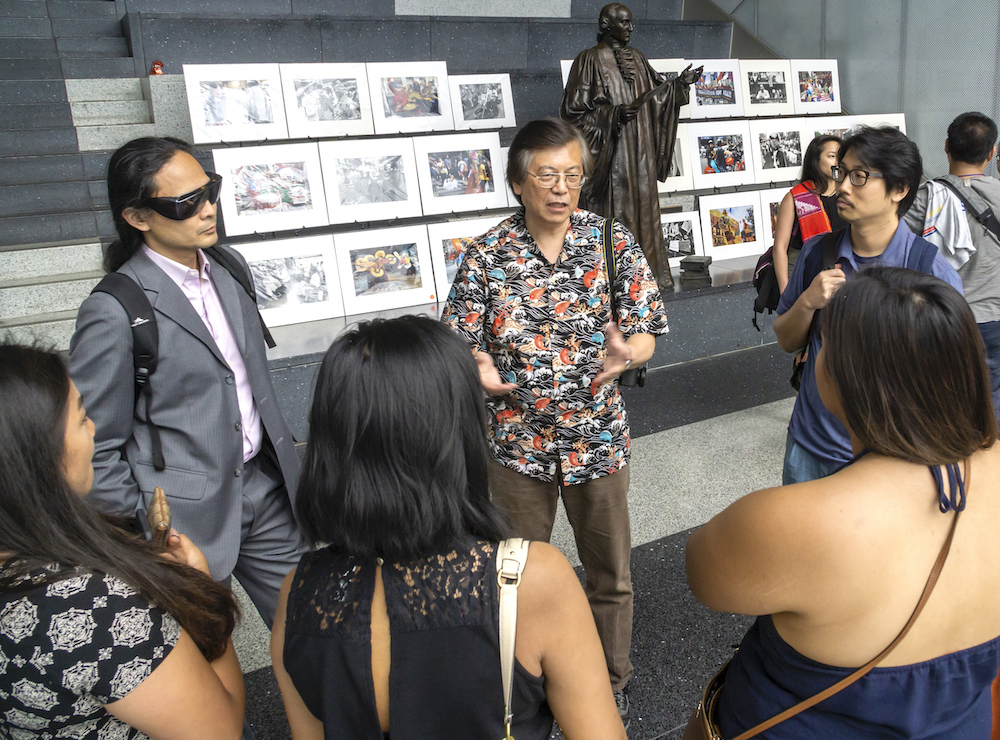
x,y
816,86
448,241
719,154
410,97
461,172
767,87
680,170
678,238
481,101
385,269
733,225
670,69
328,99
780,149
715,88
271,188
371,180
290,281
234,102
382,269
770,204
676,161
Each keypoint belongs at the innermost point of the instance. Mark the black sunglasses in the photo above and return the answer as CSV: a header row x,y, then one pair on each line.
x,y
184,207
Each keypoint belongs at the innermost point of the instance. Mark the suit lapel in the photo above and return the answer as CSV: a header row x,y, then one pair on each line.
x,y
229,294
171,301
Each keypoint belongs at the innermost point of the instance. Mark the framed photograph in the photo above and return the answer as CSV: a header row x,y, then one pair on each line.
x,y
565,65
448,242
717,93
778,146
681,235
459,172
296,279
326,100
770,200
896,120
482,101
370,180
410,97
385,268
679,178
817,83
270,188
831,125
511,198
767,87
234,102
720,154
671,68
730,225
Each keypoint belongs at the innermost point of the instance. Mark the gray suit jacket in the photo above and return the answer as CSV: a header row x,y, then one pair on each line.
x,y
193,403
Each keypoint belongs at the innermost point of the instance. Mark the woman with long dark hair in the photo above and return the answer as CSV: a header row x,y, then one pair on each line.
x,y
808,209
836,567
101,635
392,627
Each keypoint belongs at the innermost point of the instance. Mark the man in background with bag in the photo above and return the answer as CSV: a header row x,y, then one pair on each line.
x,y
551,338
957,213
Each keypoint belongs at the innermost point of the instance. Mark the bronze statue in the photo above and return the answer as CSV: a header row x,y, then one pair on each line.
x,y
628,114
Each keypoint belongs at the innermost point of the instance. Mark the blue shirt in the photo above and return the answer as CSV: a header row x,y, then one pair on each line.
x,y
811,425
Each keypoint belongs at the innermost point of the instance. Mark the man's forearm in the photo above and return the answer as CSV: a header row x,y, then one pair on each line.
x,y
791,327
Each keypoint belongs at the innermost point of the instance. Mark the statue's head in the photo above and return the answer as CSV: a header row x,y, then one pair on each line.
x,y
615,24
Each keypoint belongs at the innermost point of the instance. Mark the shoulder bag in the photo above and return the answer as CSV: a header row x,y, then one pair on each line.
x,y
512,554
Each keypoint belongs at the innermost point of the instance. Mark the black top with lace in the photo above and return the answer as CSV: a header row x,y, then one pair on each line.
x,y
444,679
69,646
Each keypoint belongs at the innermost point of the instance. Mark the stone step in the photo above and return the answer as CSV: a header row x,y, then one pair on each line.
x,y
110,113
25,28
12,68
47,330
50,168
38,262
80,68
43,198
23,9
107,27
26,92
34,116
35,141
57,227
82,9
79,91
27,48
92,47
29,300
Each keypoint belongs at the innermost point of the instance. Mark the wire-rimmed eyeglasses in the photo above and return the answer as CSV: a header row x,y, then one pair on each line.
x,y
574,180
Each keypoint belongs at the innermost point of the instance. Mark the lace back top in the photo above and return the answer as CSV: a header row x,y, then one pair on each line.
x,y
444,679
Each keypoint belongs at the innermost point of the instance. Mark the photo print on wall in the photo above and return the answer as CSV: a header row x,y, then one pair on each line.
x,y
671,68
720,154
234,102
409,97
370,180
459,172
817,86
767,87
731,225
482,101
717,93
448,242
770,202
325,100
681,235
777,148
679,176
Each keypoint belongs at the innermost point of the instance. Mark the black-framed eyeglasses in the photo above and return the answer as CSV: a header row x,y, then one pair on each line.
x,y
574,180
858,177
187,205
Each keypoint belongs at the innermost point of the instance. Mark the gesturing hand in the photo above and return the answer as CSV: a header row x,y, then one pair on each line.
x,y
618,356
689,75
489,376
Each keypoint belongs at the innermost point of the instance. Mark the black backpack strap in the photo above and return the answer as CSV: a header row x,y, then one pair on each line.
x,y
145,341
921,256
985,218
609,263
820,259
234,268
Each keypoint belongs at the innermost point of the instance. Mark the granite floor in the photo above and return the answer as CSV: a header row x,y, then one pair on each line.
x,y
706,433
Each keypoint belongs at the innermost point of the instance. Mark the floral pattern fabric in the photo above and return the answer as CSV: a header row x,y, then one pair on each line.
x,y
544,325
70,646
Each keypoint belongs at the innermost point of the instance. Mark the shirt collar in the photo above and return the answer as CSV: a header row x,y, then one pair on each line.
x,y
175,270
894,254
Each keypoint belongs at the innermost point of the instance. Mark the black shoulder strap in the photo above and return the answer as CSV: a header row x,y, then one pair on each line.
x,y
234,268
609,262
985,218
921,256
145,342
820,259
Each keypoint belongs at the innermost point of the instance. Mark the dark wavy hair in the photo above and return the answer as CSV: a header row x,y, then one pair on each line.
x,y
396,463
131,180
42,521
811,171
971,137
887,150
906,357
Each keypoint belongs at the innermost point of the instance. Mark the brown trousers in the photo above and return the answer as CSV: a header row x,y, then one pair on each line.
x,y
598,513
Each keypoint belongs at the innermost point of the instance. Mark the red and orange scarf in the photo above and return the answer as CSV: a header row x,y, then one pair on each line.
x,y
809,212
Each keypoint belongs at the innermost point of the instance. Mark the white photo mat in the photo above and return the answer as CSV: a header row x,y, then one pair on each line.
x,y
816,86
840,126
778,147
296,279
410,97
383,269
896,120
674,67
326,100
681,235
733,167
767,87
731,225
565,65
770,200
682,180
448,242
234,102
370,180
270,188
482,101
512,200
445,167
717,93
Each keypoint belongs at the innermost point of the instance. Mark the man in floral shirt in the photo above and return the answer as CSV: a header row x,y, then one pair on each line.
x,y
532,299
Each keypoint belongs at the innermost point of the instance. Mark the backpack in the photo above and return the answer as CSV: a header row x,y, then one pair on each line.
x,y
146,335
984,218
765,280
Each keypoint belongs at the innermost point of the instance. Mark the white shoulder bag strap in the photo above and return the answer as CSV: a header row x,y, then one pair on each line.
x,y
511,558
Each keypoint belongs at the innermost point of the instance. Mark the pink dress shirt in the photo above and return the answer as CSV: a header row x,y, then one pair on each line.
x,y
200,290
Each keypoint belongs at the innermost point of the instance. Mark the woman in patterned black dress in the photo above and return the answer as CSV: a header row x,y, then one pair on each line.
x,y
101,636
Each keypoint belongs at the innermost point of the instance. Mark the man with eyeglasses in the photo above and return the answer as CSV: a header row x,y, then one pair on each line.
x,y
551,336
877,176
228,466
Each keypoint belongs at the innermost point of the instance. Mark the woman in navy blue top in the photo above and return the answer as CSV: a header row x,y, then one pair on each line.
x,y
834,567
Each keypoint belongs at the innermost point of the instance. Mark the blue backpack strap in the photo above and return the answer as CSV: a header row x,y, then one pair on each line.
x,y
921,256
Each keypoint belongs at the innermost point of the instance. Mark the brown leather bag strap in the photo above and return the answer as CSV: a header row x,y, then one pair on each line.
x,y
844,683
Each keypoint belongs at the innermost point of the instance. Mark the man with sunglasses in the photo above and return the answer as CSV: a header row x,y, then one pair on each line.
x,y
209,432
551,336
877,177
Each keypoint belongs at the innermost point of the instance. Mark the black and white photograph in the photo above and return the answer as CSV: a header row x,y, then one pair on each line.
x,y
767,87
681,235
780,149
459,172
410,97
720,154
370,180
482,101
777,148
234,102
382,269
295,279
679,174
731,224
270,188
326,100
816,84
718,91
